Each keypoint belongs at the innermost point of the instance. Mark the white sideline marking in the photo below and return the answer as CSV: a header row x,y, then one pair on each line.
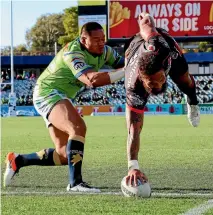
x,y
154,194
200,209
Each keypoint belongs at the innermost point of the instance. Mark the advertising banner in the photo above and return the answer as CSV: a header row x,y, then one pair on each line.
x,y
168,108
179,18
12,104
206,108
20,111
155,108
31,111
101,19
91,3
88,110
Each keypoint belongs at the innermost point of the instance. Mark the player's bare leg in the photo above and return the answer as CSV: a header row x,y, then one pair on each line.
x,y
59,139
68,132
187,85
65,117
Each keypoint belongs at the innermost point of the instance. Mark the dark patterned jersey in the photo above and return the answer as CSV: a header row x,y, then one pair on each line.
x,y
136,95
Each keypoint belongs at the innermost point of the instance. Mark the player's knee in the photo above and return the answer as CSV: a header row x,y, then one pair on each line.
x,y
78,129
61,151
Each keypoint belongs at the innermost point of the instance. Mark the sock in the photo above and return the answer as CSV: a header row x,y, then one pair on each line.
x,y
46,157
190,92
75,151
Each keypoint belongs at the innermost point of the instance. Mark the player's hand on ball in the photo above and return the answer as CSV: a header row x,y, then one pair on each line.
x,y
134,175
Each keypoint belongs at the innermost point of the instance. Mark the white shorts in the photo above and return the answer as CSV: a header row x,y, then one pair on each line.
x,y
45,99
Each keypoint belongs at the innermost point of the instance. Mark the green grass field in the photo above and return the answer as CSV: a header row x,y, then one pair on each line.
x,y
176,157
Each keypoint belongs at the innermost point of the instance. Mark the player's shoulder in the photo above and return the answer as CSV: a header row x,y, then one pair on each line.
x,y
108,49
132,40
169,39
163,32
74,47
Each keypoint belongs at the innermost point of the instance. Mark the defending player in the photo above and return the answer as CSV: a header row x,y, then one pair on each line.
x,y
151,55
74,66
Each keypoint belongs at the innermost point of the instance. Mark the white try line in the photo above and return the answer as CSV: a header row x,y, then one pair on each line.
x,y
154,194
200,209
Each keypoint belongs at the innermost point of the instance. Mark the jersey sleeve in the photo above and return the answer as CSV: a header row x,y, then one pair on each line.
x,y
75,60
136,99
112,58
127,43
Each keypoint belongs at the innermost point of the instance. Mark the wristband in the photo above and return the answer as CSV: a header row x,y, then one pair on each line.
x,y
116,75
133,164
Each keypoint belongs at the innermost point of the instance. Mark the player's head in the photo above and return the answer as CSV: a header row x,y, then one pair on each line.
x,y
93,37
154,63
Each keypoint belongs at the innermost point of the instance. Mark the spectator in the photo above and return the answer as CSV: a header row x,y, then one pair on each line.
x,y
3,76
33,76
19,77
112,94
26,75
183,100
105,101
206,88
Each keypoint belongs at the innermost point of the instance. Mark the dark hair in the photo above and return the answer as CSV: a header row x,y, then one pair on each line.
x,y
91,26
153,55
156,92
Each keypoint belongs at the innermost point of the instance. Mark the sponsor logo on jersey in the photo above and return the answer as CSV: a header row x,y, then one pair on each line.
x,y
174,55
78,64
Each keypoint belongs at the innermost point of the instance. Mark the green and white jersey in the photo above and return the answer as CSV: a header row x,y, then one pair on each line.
x,y
70,63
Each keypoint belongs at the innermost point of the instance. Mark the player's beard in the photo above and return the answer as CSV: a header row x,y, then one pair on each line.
x,y
156,91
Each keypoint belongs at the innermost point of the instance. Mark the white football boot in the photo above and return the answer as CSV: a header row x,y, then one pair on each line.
x,y
82,187
11,168
193,114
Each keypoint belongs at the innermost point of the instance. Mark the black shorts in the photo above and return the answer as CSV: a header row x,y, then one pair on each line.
x,y
179,65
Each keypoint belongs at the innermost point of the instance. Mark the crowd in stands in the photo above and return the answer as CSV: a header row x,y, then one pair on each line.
x,y
24,75
23,85
111,94
4,76
115,93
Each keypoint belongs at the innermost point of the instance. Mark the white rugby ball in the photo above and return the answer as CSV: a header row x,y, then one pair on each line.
x,y
142,190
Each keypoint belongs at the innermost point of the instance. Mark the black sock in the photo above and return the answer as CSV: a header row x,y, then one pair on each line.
x,y
46,157
190,92
75,151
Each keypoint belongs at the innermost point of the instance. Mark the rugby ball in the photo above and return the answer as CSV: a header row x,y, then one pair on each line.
x,y
142,190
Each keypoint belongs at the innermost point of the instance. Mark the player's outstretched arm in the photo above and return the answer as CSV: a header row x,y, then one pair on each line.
x,y
98,79
134,126
85,73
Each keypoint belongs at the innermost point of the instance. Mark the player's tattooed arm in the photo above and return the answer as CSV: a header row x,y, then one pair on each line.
x,y
134,125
